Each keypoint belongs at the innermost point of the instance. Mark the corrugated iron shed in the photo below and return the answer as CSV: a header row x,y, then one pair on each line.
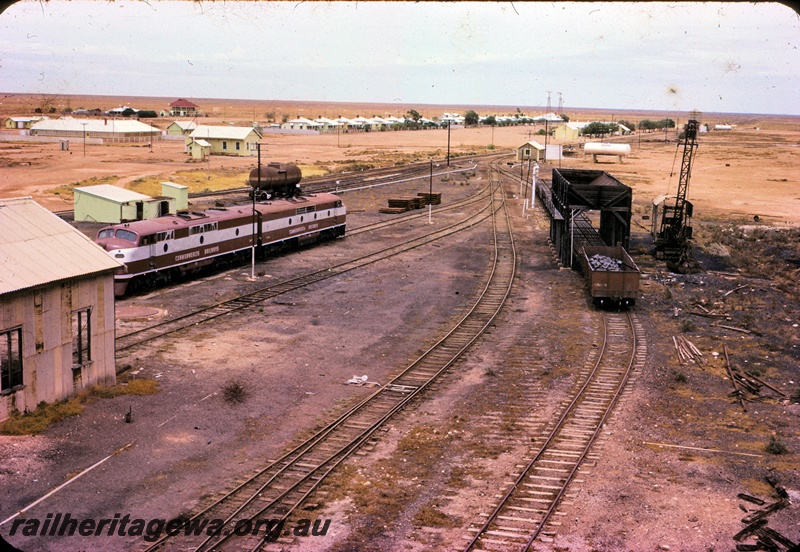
x,y
37,247
95,126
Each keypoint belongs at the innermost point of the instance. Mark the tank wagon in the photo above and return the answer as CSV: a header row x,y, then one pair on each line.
x,y
611,275
158,250
275,180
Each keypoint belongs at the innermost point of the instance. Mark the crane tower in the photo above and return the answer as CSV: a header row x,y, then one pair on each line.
x,y
673,238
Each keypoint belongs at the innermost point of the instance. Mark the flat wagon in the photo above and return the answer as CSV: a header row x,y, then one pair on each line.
x,y
611,274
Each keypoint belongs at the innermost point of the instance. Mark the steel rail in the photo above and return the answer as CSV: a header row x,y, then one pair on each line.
x,y
328,183
211,312
487,301
388,400
410,216
556,431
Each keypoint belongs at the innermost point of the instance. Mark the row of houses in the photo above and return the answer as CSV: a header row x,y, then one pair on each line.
x,y
200,140
572,131
323,124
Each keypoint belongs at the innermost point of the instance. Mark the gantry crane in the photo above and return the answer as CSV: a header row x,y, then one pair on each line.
x,y
673,238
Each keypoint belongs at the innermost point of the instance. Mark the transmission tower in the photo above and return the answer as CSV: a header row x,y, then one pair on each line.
x,y
560,103
549,107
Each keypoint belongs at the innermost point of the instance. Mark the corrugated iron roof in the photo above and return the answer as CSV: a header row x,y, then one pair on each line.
x,y
223,132
113,193
37,247
185,125
183,103
532,143
95,125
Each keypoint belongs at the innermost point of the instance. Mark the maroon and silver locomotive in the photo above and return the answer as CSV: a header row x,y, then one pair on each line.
x,y
155,251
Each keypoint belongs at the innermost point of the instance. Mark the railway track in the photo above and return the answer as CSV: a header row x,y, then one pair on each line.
x,y
131,339
525,509
279,489
344,182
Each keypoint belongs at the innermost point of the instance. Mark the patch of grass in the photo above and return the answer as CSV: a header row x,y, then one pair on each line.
x,y
66,189
688,325
46,414
234,393
33,423
196,180
431,516
130,387
679,377
775,446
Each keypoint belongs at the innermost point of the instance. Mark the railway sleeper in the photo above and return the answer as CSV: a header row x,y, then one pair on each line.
x,y
507,532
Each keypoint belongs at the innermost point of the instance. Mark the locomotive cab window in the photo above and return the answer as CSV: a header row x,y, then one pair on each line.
x,y
105,234
126,235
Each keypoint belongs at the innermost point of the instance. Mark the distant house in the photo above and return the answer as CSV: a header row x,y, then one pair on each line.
x,y
183,108
328,125
452,118
226,140
181,128
568,131
530,150
118,111
56,308
21,122
301,123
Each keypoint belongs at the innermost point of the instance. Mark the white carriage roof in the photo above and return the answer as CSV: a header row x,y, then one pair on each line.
x,y
37,247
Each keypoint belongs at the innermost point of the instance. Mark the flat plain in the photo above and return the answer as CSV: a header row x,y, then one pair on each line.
x,y
673,459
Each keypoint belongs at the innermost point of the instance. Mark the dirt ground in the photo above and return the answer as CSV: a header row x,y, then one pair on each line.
x,y
667,473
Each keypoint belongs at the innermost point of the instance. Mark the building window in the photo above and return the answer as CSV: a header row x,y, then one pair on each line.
x,y
81,337
238,146
10,358
224,145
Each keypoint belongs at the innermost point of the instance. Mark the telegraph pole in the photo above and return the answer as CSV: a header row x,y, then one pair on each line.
x,y
253,239
448,143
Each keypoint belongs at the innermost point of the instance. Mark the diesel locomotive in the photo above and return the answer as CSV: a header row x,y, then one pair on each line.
x,y
158,250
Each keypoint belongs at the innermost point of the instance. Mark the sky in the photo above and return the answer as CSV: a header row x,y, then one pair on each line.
x,y
710,57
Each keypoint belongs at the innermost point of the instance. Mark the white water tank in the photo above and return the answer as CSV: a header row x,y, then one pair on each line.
x,y
600,148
